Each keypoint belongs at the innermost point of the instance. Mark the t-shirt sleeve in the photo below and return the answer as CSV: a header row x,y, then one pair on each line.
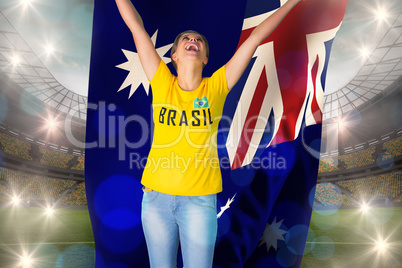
x,y
219,81
162,79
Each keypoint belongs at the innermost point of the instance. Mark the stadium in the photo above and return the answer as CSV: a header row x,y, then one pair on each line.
x,y
45,222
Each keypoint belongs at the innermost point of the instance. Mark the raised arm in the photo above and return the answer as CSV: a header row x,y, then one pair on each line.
x,y
146,51
238,63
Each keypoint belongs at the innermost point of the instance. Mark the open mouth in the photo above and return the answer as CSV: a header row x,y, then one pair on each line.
x,y
192,47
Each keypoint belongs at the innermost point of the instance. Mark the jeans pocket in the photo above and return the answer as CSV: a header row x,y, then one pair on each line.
x,y
149,196
204,200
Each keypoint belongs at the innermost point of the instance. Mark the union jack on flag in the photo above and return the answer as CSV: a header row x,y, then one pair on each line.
x,y
286,78
274,135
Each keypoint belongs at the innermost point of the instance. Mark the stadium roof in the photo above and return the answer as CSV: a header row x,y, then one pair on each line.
x,y
381,69
23,66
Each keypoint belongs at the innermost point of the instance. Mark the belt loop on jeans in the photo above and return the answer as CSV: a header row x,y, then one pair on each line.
x,y
146,189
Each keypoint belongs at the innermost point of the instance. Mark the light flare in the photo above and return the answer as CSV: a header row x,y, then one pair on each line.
x,y
26,3
26,260
364,52
51,123
49,211
15,60
365,208
381,245
382,15
16,200
341,123
49,49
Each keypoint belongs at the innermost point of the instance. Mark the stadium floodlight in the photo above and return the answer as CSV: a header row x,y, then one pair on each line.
x,y
16,200
364,52
365,208
49,211
49,48
26,261
381,14
381,245
26,3
341,123
15,60
51,123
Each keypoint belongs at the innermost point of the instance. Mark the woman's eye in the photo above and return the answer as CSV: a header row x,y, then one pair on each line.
x,y
199,40
185,38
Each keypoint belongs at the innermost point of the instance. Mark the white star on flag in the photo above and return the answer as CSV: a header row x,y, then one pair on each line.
x,y
272,234
225,207
136,75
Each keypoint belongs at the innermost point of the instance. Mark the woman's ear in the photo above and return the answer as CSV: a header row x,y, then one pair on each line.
x,y
174,56
205,61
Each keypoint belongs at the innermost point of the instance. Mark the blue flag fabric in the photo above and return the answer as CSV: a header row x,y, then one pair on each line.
x,y
269,138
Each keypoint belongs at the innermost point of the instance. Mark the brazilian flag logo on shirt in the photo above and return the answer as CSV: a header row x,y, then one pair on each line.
x,y
201,103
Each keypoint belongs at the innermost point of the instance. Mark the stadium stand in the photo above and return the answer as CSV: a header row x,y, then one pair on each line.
x,y
14,146
387,151
359,158
346,202
355,191
5,193
327,194
77,197
393,147
80,165
388,185
54,158
327,165
31,186
70,193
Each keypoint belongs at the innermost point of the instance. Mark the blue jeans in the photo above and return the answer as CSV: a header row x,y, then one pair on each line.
x,y
168,219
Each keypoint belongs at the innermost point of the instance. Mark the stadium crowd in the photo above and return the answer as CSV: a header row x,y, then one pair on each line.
x,y
388,186
14,146
393,147
54,158
359,158
80,165
27,186
77,197
32,186
327,165
327,194
5,193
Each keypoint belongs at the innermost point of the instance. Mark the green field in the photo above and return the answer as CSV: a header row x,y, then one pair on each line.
x,y
63,240
343,238
349,238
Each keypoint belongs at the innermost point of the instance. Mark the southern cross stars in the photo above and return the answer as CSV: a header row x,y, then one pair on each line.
x,y
272,234
225,207
136,75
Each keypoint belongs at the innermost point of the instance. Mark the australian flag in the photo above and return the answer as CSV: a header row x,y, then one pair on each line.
x,y
269,138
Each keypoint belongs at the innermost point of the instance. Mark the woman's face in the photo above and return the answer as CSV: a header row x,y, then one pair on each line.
x,y
191,46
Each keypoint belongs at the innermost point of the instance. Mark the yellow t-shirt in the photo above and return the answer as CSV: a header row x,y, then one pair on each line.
x,y
184,159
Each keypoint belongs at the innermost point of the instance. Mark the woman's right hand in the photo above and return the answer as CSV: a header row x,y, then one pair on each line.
x,y
145,48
